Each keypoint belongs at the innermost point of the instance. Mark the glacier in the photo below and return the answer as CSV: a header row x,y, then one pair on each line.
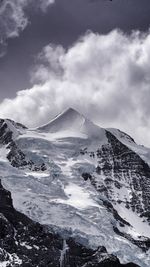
x,y
90,187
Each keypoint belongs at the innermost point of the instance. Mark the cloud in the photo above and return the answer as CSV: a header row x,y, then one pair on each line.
x,y
12,21
13,18
45,4
106,77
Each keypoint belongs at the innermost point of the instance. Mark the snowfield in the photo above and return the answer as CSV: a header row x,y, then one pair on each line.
x,y
60,197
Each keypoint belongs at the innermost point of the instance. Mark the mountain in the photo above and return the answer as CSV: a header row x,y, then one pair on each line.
x,y
26,243
72,123
85,183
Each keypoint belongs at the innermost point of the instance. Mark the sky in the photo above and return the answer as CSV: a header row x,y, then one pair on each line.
x,y
92,55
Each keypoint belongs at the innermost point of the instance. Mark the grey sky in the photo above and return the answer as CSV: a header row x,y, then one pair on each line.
x,y
63,23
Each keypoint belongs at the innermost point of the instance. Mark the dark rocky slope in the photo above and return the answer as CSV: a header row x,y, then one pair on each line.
x,y
9,130
26,243
120,167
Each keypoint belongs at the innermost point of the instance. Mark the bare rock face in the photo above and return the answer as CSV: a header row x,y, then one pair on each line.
x,y
78,255
122,168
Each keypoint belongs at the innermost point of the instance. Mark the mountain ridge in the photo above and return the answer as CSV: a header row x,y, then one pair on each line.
x,y
80,178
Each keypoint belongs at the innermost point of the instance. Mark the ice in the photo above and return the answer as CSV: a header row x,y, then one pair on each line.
x,y
12,259
140,227
67,120
59,196
63,254
77,197
24,244
72,123
3,154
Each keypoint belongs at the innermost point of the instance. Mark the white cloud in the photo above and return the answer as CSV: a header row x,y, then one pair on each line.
x,y
13,18
106,77
45,4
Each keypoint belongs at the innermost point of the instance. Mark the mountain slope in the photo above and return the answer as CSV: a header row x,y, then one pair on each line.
x,y
72,123
26,243
83,181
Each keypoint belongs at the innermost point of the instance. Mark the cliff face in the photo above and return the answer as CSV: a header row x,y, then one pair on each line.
x,y
123,176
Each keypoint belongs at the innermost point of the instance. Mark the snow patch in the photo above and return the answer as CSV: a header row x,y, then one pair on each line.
x,y
140,227
77,197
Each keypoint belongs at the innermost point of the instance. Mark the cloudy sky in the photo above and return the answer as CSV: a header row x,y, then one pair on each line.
x,y
92,55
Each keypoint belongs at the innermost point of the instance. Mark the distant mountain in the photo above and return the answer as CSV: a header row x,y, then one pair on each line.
x,y
90,186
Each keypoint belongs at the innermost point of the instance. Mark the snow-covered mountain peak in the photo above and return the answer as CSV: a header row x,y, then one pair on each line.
x,y
69,119
72,123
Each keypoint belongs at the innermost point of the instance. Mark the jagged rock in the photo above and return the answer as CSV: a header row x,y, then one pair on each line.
x,y
79,256
86,176
9,130
119,164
